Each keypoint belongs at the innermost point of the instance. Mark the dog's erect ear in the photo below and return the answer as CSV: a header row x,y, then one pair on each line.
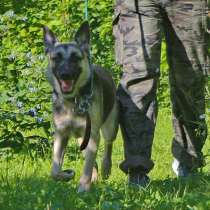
x,y
49,39
82,36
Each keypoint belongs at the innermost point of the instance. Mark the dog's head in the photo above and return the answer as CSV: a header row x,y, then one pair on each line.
x,y
68,62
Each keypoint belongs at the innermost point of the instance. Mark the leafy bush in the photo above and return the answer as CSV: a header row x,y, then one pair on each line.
x,y
25,102
25,95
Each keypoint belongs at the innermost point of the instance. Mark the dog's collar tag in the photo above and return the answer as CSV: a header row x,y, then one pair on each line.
x,y
83,101
82,104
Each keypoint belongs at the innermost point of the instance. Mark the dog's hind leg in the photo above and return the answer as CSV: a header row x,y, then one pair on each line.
x,y
109,131
59,146
90,157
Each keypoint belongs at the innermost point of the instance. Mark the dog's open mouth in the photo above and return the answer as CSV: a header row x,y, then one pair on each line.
x,y
67,85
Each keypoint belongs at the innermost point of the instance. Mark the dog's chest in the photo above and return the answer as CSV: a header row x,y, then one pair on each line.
x,y
65,120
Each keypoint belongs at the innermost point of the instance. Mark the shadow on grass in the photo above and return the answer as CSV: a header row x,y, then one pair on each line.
x,y
182,193
171,184
44,193
38,193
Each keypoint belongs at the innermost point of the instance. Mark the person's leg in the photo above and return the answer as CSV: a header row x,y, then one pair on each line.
x,y
184,27
138,43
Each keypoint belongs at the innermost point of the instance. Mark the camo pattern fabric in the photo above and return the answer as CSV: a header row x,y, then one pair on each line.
x,y
138,26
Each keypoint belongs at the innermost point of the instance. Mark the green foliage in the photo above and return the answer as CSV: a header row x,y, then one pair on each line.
x,y
25,95
25,100
163,89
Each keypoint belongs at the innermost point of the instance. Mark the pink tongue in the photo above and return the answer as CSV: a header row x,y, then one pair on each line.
x,y
66,85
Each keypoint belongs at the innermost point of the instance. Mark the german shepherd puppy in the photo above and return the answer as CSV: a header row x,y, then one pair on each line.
x,y
84,102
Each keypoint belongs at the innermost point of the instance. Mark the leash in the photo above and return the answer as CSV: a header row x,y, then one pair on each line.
x,y
86,10
85,103
90,53
87,133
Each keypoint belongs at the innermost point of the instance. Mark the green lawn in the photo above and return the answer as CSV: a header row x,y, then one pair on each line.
x,y
26,184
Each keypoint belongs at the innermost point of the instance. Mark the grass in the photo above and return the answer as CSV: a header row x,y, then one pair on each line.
x,y
26,185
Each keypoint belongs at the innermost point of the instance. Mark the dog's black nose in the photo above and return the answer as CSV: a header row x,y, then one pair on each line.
x,y
65,75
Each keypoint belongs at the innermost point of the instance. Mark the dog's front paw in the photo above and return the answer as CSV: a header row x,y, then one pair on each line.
x,y
84,187
94,175
84,184
65,175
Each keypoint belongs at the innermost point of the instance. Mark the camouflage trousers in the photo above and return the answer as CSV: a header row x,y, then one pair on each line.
x,y
138,27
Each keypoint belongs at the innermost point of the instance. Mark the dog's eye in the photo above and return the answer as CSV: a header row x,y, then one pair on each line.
x,y
56,57
75,57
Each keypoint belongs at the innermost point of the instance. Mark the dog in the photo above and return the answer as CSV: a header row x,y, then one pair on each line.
x,y
84,103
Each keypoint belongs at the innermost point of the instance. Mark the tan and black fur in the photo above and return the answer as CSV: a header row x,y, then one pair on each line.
x,y
69,73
